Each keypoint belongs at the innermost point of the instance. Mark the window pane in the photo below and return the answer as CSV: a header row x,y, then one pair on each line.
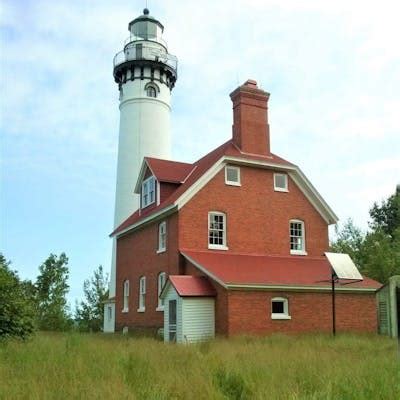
x,y
280,181
232,174
277,307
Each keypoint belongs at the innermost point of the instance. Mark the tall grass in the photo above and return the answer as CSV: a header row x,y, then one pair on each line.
x,y
79,366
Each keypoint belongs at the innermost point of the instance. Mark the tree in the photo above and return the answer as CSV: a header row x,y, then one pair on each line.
x,y
52,287
17,312
381,253
387,215
376,253
349,240
89,314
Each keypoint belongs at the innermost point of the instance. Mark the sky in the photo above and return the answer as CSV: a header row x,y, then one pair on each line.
x,y
332,68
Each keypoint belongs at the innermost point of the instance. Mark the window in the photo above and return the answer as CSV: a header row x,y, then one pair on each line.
x,y
232,175
297,237
148,191
281,183
160,285
217,230
280,308
142,294
109,308
162,237
151,91
126,296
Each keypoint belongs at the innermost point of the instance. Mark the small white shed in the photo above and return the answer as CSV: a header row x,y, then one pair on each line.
x,y
189,309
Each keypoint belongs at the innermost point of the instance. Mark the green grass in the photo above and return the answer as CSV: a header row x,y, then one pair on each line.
x,y
79,366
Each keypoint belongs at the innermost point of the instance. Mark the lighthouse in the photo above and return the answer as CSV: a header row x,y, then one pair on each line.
x,y
145,73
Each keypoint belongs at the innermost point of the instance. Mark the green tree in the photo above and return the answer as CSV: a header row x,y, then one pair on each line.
x,y
386,216
89,313
349,240
52,288
17,311
381,253
376,253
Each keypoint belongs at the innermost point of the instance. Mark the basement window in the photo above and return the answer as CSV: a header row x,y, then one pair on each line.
x,y
232,175
280,183
280,308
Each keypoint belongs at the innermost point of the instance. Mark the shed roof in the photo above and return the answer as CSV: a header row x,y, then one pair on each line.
x,y
238,269
191,286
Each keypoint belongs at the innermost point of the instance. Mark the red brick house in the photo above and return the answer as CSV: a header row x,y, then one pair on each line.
x,y
247,230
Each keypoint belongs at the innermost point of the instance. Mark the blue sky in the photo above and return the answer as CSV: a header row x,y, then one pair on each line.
x,y
332,68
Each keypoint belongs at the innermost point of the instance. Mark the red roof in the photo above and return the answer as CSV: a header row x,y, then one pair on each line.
x,y
169,171
194,172
250,269
196,286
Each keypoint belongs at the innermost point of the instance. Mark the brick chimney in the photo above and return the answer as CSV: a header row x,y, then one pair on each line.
x,y
250,128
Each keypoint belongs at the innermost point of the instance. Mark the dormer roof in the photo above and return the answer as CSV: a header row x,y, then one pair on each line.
x,y
164,171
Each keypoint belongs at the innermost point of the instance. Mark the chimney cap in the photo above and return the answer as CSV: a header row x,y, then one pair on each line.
x,y
250,82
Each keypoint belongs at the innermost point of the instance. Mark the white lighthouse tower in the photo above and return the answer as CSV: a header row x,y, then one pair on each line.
x,y
146,74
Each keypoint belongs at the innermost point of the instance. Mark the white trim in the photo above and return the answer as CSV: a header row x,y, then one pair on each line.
x,y
200,183
280,316
162,213
302,251
214,246
232,183
143,309
138,185
293,171
278,188
285,313
162,276
125,310
151,180
217,247
158,194
125,296
205,271
295,288
162,249
142,294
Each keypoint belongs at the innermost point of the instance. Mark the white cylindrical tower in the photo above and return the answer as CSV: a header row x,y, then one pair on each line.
x,y
146,74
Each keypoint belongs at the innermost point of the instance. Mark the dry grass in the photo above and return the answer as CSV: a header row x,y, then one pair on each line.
x,y
78,366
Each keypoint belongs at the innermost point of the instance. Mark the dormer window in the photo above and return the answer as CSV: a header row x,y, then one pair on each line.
x,y
148,192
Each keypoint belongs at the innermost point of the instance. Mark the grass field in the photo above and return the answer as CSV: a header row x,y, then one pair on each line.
x,y
78,366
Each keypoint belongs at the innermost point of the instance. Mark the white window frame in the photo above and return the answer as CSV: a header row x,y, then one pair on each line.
x,y
302,251
232,183
161,279
125,308
142,294
148,191
214,246
285,314
109,312
162,237
280,189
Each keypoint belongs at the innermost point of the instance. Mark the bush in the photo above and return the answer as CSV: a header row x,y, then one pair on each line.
x,y
17,314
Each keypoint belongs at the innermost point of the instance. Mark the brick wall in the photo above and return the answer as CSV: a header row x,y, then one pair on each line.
x,y
257,216
137,256
250,312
